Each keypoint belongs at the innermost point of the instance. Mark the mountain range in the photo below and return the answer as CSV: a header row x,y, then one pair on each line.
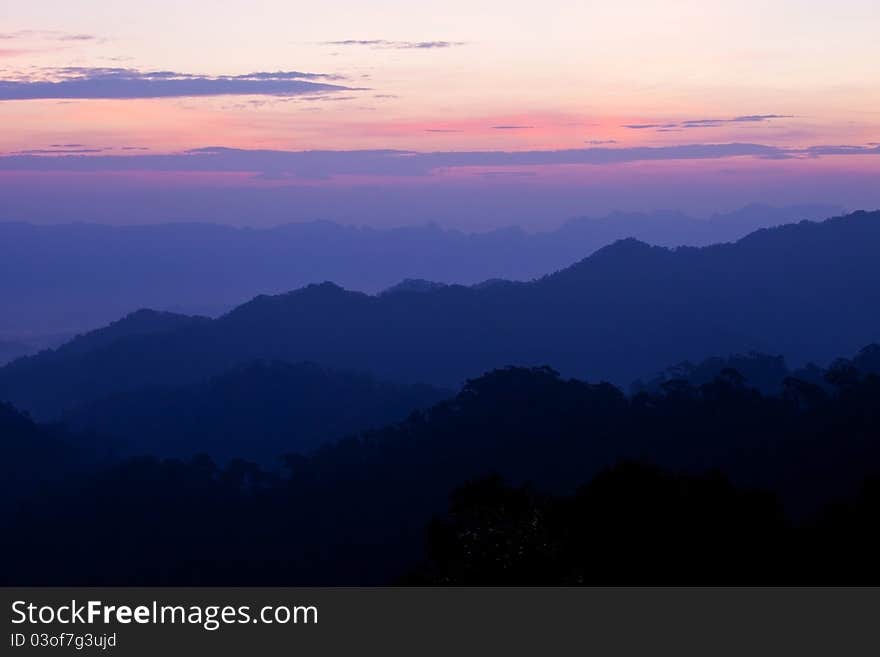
x,y
68,278
806,291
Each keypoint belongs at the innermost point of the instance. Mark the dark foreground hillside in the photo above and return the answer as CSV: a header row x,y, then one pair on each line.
x,y
806,291
256,411
35,458
356,512
634,524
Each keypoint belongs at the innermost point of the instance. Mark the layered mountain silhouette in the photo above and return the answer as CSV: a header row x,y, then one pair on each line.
x,y
10,350
257,411
75,277
807,291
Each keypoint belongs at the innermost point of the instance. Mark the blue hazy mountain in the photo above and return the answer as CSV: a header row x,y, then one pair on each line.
x,y
805,291
74,277
10,350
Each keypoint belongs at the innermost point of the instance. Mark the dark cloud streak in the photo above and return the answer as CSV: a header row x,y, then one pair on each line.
x,y
60,151
706,123
395,45
122,83
45,35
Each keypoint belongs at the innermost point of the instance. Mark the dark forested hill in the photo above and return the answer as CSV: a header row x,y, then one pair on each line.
x,y
11,350
257,412
73,277
806,291
355,512
138,323
34,456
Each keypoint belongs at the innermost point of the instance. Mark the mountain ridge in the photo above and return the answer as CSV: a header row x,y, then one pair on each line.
x,y
73,277
806,291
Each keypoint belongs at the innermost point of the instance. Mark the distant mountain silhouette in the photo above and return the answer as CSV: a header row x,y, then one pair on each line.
x,y
73,277
138,323
806,291
257,412
11,350
413,285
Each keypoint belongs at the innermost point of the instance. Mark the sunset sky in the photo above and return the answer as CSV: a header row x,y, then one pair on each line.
x,y
586,107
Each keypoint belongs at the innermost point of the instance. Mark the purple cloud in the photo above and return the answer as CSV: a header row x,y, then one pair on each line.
x,y
45,35
395,45
819,151
706,123
508,174
60,151
751,118
124,83
649,126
